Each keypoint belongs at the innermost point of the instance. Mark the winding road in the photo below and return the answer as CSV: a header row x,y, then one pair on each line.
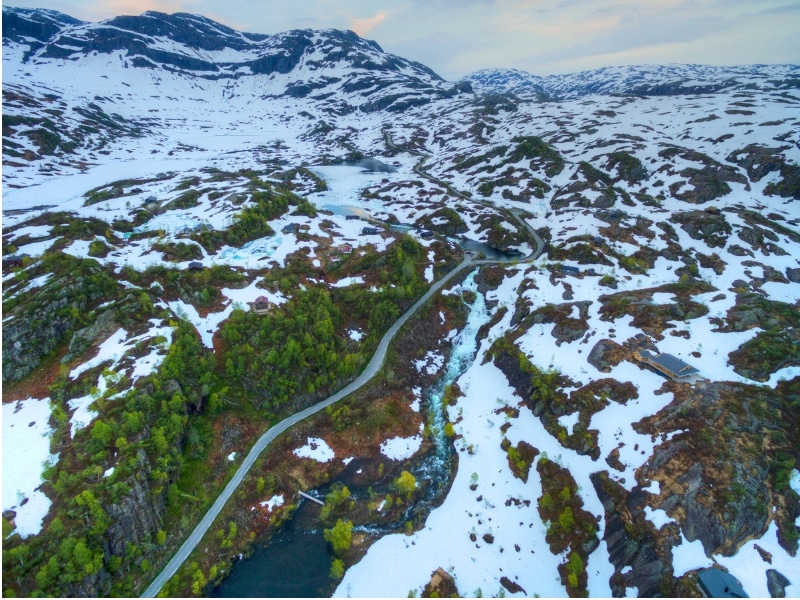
x,y
369,372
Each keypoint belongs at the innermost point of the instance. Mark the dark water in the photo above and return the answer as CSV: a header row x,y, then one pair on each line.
x,y
489,253
295,564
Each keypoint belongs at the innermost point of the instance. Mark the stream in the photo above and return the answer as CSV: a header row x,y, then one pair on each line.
x,y
296,562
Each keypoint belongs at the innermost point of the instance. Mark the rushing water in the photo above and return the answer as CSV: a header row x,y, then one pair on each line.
x,y
295,563
437,464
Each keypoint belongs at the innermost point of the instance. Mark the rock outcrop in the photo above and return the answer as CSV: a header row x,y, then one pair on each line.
x,y
441,585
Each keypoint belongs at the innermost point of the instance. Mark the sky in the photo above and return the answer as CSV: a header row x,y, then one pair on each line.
x,y
456,37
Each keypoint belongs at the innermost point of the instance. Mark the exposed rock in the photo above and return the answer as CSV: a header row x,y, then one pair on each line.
x,y
701,225
758,160
512,587
441,585
630,541
138,515
793,275
776,583
83,338
488,538
605,355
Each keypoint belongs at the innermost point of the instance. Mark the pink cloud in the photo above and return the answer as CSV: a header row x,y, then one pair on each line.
x,y
364,26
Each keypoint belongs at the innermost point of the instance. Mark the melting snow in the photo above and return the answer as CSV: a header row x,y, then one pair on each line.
x,y
273,502
316,449
399,448
26,452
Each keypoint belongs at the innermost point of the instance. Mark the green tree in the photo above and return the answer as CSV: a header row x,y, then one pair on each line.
x,y
405,484
337,569
340,536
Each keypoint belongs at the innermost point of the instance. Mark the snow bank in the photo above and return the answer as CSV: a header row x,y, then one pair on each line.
x,y
400,448
26,452
316,449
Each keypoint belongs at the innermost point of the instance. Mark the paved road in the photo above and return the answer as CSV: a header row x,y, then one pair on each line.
x,y
369,372
419,170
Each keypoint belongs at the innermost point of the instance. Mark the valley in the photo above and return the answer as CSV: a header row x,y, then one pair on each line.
x,y
197,260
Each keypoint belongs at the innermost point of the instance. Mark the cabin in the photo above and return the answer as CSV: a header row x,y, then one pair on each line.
x,y
569,270
426,234
666,364
345,249
716,583
351,218
261,305
195,266
291,228
369,231
15,260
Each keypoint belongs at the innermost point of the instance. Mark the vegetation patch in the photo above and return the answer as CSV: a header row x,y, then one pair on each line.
x,y
570,528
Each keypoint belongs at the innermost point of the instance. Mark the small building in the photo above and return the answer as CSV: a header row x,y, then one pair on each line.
x,y
291,228
716,583
345,249
569,270
261,305
426,234
15,260
369,231
351,218
195,266
667,364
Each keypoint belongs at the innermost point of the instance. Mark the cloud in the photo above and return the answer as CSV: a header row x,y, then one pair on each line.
x,y
363,26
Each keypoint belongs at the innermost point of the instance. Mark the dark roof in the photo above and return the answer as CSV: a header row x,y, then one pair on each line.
x,y
568,269
717,583
672,363
261,299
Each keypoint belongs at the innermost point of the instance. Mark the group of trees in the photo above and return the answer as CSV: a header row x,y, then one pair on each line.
x,y
142,435
292,350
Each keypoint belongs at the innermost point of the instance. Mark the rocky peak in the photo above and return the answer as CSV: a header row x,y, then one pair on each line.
x,y
22,24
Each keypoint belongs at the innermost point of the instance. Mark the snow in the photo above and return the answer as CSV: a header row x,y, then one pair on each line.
x,y
111,349
26,452
232,456
273,502
316,449
399,448
109,472
569,421
431,363
355,335
443,541
657,517
348,281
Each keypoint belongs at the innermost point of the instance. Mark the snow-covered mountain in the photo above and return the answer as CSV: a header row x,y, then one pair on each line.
x,y
646,80
297,63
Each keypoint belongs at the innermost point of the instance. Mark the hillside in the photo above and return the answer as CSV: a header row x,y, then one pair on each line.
x,y
185,263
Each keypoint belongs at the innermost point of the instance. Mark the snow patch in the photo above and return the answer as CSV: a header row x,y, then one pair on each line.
x,y
316,449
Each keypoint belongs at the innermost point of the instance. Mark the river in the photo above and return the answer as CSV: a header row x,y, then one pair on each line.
x,y
296,562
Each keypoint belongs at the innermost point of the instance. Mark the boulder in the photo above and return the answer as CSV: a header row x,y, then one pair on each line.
x,y
776,583
441,585
605,355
